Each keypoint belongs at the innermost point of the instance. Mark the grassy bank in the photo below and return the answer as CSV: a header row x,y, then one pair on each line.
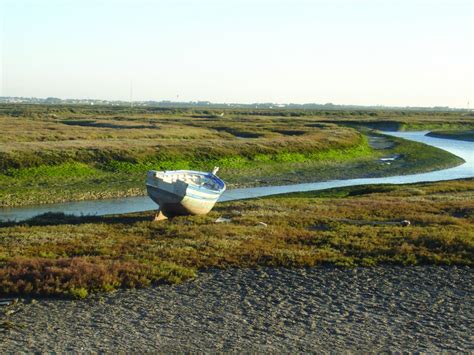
x,y
53,154
81,181
73,256
463,135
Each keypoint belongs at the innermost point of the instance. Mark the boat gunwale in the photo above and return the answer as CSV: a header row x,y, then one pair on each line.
x,y
221,184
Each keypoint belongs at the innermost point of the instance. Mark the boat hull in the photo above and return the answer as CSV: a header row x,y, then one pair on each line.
x,y
184,192
173,204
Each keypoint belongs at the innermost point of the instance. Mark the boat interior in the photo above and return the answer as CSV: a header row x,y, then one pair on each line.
x,y
204,180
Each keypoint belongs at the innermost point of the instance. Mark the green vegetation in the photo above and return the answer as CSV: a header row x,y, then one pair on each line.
x,y
57,153
72,256
464,135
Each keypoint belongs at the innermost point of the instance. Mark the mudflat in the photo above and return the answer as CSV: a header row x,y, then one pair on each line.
x,y
387,308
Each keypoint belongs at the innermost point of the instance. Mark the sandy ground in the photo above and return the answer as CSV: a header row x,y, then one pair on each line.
x,y
320,309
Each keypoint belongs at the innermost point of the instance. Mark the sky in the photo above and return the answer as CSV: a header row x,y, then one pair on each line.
x,y
361,52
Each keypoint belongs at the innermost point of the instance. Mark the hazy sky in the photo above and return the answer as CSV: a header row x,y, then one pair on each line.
x,y
404,53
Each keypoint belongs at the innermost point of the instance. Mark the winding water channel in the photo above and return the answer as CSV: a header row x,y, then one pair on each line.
x,y
462,149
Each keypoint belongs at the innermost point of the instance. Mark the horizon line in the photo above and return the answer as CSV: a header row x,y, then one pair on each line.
x,y
281,105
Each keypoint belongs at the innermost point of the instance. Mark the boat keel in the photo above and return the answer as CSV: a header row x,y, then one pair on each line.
x,y
159,216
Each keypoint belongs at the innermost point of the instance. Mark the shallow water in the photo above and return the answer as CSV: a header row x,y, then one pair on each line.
x,y
462,149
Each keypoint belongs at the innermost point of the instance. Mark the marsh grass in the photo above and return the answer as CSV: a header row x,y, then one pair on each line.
x,y
72,256
54,154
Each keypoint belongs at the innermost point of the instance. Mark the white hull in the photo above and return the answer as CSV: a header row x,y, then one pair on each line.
x,y
184,192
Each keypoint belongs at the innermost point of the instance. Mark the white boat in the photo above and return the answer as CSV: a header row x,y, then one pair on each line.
x,y
184,192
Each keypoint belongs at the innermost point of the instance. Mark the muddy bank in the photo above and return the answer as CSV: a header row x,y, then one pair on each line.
x,y
378,309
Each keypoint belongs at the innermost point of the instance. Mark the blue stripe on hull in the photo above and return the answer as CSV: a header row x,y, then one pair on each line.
x,y
199,197
205,190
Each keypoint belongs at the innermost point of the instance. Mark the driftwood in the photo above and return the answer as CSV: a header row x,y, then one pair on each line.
x,y
403,223
326,226
223,220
